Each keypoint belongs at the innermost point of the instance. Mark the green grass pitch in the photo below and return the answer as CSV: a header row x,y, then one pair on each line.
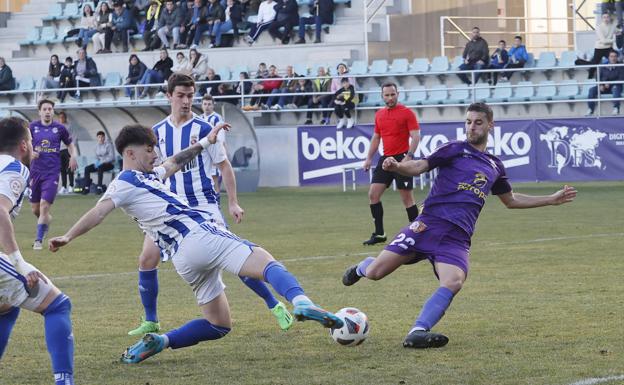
x,y
543,303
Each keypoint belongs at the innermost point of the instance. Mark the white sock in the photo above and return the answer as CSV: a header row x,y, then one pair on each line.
x,y
300,298
417,328
164,336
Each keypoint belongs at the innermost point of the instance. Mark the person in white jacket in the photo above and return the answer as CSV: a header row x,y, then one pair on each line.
x,y
605,36
266,16
182,64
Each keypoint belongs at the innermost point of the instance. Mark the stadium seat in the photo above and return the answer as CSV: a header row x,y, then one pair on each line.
x,y
531,62
31,38
224,73
399,66
546,90
523,93
482,92
112,79
301,69
238,69
62,36
359,67
416,96
440,64
568,90
457,61
55,12
420,65
402,96
379,67
546,60
48,34
372,99
71,11
27,83
567,59
585,86
458,94
437,95
502,93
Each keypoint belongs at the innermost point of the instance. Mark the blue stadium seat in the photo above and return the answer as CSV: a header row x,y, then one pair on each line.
x,y
61,37
524,93
546,60
437,95
359,67
567,59
546,90
238,69
27,83
224,73
568,90
112,79
31,38
585,86
55,12
457,61
422,65
502,93
440,64
379,67
372,99
301,69
399,66
402,96
531,62
71,11
458,94
416,96
482,92
48,34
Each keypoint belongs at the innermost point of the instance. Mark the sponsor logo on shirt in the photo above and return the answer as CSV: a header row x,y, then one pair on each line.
x,y
17,186
477,184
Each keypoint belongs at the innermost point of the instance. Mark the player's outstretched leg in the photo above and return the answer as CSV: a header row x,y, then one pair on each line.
x,y
277,308
8,316
374,268
148,288
60,339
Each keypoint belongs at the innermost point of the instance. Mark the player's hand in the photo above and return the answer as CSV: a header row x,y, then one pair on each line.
x,y
390,164
237,213
367,164
57,242
73,165
33,278
565,195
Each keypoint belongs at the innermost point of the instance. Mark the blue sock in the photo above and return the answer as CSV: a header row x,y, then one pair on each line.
x,y
42,230
193,332
59,339
148,290
434,308
284,283
361,267
7,321
262,290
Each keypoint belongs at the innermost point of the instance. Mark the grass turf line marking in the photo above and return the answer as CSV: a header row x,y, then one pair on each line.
x,y
598,380
538,240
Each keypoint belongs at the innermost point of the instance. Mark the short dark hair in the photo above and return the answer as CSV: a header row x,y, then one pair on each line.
x,y
477,28
12,131
207,97
134,135
44,101
179,79
484,108
389,84
100,133
518,37
344,80
502,41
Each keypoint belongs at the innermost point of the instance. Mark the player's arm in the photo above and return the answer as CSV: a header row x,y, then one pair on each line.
x,y
91,219
229,181
407,168
374,146
173,164
415,137
73,153
514,200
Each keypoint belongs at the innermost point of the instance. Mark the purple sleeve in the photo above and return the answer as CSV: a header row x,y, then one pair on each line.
x,y
65,137
501,185
443,154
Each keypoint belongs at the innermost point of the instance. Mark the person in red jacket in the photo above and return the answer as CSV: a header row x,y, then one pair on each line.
x,y
270,83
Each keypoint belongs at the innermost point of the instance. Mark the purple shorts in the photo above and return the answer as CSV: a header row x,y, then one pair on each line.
x,y
43,187
434,239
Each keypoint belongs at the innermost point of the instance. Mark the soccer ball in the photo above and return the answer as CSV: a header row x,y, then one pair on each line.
x,y
355,328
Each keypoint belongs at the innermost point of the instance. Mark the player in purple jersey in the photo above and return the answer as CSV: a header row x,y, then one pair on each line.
x,y
441,233
46,165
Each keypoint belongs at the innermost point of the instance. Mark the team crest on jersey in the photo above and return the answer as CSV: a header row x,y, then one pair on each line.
x,y
16,185
480,180
55,130
193,139
417,226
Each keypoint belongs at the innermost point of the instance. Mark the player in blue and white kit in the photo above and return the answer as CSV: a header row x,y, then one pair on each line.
x,y
21,284
177,132
214,118
199,249
442,232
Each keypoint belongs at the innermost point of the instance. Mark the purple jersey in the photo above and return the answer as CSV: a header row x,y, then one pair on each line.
x,y
47,142
466,176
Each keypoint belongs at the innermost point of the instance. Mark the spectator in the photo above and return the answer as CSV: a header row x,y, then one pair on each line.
x,y
250,7
303,86
233,16
518,56
211,88
122,24
88,26
476,54
277,102
85,72
243,87
320,84
198,18
605,35
322,12
102,38
150,30
66,172
336,83
266,16
287,16
265,87
608,74
262,72
7,81
105,155
616,7
212,15
182,65
52,79
498,60
186,31
169,23
344,102
66,79
158,74
136,70
216,15
199,64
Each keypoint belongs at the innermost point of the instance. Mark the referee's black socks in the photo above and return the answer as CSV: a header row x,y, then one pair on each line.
x,y
412,213
377,212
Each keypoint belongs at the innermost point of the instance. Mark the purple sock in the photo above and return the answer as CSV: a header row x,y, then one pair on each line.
x,y
434,308
361,267
193,332
42,230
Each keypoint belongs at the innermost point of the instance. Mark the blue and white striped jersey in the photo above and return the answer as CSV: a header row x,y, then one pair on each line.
x,y
13,181
162,215
193,182
215,119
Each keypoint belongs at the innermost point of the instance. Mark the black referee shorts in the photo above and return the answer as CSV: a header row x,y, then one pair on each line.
x,y
385,177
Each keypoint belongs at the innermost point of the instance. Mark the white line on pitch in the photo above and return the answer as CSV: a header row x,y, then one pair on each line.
x,y
598,380
538,240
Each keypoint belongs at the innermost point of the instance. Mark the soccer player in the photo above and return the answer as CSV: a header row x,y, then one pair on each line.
x,y
395,125
442,232
193,182
199,249
214,118
21,284
47,136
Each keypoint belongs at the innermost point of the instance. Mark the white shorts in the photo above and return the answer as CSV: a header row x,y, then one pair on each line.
x,y
203,254
13,290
